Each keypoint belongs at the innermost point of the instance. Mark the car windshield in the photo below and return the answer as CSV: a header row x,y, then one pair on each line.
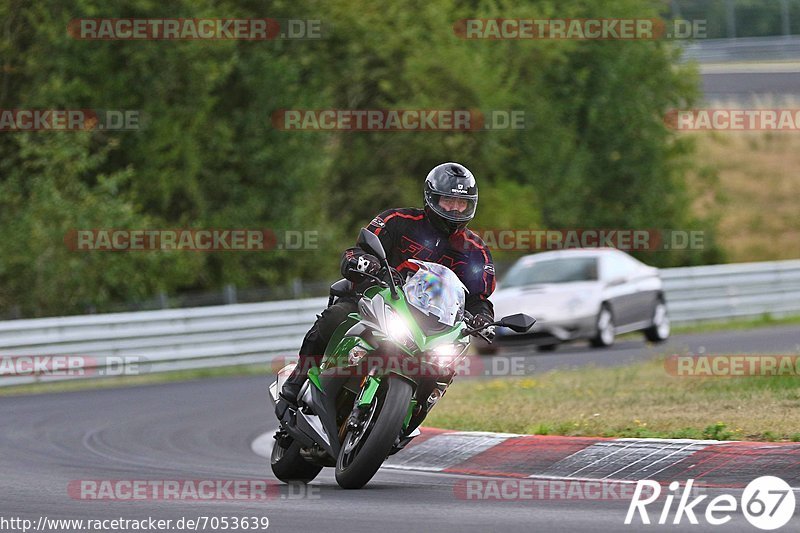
x,y
436,291
563,270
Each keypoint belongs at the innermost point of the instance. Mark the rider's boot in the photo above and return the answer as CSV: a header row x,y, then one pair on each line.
x,y
289,392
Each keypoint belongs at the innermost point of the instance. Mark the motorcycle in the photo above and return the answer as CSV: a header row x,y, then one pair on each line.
x,y
383,371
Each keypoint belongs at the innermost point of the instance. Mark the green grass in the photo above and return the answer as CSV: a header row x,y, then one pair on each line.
x,y
765,320
638,400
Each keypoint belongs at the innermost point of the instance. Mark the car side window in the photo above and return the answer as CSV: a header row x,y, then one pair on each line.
x,y
618,266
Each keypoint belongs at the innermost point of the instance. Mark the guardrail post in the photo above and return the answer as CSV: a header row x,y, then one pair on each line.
x,y
785,18
229,294
297,287
730,16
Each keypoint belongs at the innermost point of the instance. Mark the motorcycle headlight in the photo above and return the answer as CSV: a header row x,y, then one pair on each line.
x,y
397,329
446,354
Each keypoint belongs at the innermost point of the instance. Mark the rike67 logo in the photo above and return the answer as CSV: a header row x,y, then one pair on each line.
x,y
767,502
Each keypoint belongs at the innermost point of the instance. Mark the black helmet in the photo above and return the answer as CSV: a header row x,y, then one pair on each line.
x,y
453,181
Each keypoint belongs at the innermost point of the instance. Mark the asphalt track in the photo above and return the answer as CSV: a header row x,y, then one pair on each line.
x,y
774,340
744,86
772,85
204,430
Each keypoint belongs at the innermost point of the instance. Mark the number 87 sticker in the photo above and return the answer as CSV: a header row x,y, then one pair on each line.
x,y
768,502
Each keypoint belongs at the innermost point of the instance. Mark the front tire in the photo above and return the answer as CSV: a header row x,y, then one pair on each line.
x,y
659,331
606,330
363,453
287,463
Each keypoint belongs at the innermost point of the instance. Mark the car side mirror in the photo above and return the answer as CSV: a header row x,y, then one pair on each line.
x,y
519,322
370,243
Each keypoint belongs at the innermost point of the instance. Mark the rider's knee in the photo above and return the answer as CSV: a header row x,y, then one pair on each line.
x,y
330,320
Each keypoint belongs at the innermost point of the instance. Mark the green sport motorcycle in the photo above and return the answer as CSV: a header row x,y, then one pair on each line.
x,y
383,371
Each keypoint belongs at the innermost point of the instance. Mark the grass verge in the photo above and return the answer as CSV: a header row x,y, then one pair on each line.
x,y
637,400
764,321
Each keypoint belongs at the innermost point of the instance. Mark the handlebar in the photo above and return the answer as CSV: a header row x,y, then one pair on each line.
x,y
380,278
473,331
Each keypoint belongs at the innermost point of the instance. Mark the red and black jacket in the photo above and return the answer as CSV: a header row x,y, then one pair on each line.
x,y
407,233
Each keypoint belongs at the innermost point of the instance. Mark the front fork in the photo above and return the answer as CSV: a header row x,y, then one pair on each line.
x,y
369,388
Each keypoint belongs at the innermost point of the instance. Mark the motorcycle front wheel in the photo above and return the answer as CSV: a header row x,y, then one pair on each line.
x,y
365,448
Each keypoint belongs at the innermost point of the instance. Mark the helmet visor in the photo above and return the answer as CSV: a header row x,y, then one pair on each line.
x,y
452,207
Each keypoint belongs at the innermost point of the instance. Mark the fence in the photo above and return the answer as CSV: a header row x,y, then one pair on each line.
x,y
721,292
781,48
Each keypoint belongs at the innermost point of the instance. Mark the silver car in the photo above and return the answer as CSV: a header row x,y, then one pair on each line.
x,y
592,294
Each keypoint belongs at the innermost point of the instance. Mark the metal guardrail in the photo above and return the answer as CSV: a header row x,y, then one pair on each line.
x,y
206,337
160,341
721,292
781,48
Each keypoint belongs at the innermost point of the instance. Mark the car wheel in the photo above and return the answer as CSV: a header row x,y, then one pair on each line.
x,y
606,331
659,331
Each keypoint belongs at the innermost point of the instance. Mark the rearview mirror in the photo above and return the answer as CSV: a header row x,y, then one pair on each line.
x,y
519,322
370,243
343,287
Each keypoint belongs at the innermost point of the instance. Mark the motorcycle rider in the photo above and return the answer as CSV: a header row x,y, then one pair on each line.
x,y
438,233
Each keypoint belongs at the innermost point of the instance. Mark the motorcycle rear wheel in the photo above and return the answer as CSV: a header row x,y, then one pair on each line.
x,y
288,465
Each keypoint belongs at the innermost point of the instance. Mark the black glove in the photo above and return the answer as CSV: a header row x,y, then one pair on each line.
x,y
366,263
483,322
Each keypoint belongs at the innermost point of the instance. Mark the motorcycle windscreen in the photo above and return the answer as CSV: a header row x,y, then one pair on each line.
x,y
435,291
